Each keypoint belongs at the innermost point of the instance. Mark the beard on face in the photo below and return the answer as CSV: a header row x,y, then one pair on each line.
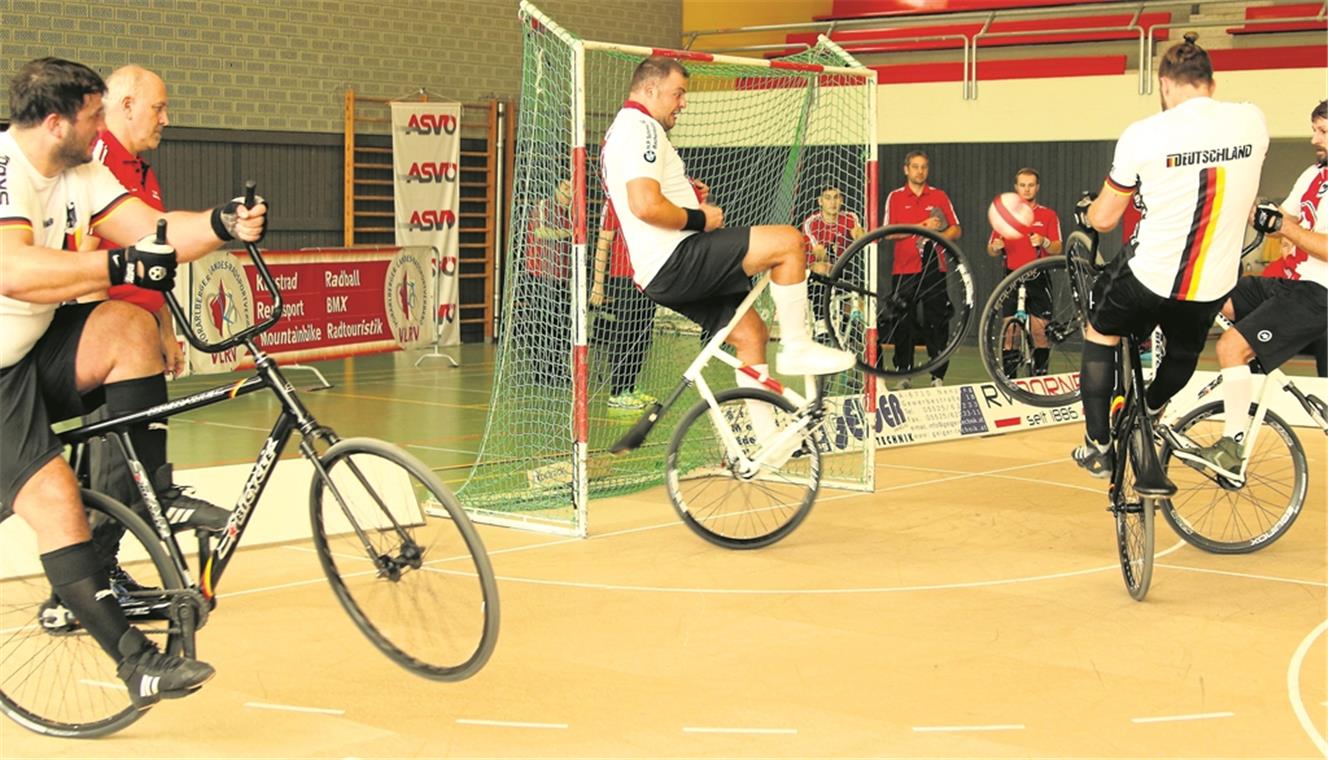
x,y
71,152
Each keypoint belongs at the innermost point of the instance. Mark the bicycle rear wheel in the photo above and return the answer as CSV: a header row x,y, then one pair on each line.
x,y
869,309
1134,514
1222,517
1047,279
54,677
404,560
721,501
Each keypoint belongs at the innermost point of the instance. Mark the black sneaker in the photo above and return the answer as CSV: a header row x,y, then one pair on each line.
x,y
186,511
138,602
1092,457
152,676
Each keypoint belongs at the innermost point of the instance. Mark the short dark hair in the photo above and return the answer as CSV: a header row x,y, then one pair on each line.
x,y
912,154
1320,111
655,68
50,85
1028,170
1187,63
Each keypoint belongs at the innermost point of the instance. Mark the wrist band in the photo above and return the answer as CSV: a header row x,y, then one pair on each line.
x,y
219,227
696,220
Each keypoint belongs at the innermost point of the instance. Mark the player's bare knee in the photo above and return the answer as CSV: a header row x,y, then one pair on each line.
x,y
121,336
1232,349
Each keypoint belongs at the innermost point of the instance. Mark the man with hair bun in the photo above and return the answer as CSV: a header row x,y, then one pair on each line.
x,y
1196,168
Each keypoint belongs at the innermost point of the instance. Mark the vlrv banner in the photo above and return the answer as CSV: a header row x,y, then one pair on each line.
x,y
426,155
336,302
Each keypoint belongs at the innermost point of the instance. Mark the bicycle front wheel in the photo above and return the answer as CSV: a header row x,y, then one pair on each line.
x,y
404,560
1223,517
1134,513
54,677
719,493
883,316
1048,295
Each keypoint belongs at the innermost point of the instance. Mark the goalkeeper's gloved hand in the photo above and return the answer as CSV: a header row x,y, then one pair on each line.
x,y
1081,211
147,264
1267,218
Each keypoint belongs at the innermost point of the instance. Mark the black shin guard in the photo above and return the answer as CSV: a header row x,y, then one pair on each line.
x,y
79,580
135,395
1097,380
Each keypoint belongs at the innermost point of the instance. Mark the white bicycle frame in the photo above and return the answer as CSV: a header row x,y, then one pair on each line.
x,y
803,404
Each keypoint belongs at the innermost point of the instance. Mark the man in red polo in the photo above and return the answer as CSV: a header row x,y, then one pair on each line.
x,y
1044,239
917,268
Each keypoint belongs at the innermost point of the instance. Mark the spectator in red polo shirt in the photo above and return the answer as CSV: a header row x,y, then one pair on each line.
x,y
917,267
136,105
1043,240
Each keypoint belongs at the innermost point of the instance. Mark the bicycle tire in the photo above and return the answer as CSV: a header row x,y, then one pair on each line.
x,y
886,308
448,628
61,683
1015,333
1064,333
1135,519
724,507
1218,517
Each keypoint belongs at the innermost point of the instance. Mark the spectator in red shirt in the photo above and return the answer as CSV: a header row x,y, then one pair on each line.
x,y
917,268
828,231
1044,240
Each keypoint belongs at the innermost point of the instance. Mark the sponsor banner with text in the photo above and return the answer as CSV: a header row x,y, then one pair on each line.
x,y
426,155
926,415
335,302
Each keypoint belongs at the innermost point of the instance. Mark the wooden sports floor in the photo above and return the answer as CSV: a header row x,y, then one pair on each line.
x,y
972,607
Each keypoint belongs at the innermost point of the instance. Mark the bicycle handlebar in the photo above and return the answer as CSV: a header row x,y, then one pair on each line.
x,y
246,334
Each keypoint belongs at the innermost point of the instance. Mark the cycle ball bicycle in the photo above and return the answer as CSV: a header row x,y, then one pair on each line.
x,y
400,555
1242,512
743,467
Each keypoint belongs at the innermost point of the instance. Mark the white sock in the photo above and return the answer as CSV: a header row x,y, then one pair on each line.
x,y
1237,390
761,415
791,311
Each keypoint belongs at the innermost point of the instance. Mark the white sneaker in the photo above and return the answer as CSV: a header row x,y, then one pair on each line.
x,y
937,382
904,384
803,357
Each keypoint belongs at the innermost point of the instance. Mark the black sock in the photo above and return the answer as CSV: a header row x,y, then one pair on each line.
x,y
136,395
1097,379
1041,358
77,577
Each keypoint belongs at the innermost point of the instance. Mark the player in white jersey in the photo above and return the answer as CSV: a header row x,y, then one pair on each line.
x,y
59,359
682,254
1275,318
1196,166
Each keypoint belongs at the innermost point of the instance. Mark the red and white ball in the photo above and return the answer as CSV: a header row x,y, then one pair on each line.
x,y
1011,216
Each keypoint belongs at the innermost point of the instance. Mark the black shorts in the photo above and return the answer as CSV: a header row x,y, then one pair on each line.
x,y
703,279
1037,297
1279,318
1123,306
37,391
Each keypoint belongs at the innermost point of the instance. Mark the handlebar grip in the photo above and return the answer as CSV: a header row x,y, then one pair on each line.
x,y
161,232
250,193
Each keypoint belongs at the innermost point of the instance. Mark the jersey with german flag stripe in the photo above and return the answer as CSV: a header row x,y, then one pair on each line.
x,y
1196,168
59,211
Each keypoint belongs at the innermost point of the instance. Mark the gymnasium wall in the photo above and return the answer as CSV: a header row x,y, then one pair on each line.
x,y
284,64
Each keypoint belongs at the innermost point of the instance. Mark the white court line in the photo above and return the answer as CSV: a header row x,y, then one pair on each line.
x,y
507,723
1253,576
439,448
960,729
1293,688
294,708
748,731
103,684
1178,718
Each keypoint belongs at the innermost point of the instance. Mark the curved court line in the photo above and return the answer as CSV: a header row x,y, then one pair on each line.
x,y
1293,688
1252,576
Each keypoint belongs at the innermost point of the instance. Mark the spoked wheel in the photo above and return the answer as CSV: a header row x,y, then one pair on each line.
x,y
54,677
1049,296
1134,522
883,316
404,560
1224,517
729,499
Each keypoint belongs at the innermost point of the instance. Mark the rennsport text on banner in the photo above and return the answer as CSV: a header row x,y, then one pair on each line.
x,y
426,155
